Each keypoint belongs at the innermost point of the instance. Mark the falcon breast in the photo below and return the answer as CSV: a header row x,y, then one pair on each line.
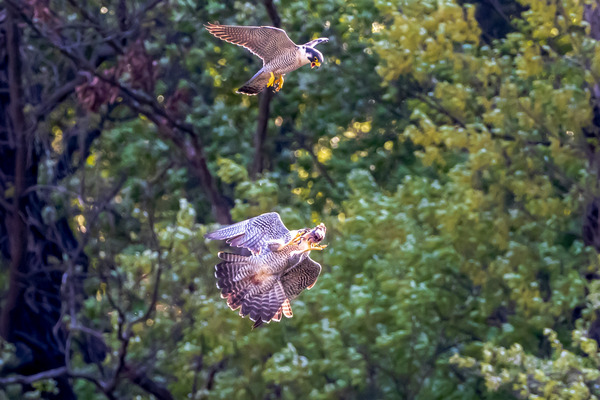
x,y
279,268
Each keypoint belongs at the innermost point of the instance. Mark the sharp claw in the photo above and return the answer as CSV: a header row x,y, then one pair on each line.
x,y
275,82
296,239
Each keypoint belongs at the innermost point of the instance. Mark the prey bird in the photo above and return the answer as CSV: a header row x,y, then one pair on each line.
x,y
279,268
279,54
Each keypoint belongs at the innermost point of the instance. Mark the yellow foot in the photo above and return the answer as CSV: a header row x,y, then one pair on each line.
x,y
271,80
298,238
279,83
314,246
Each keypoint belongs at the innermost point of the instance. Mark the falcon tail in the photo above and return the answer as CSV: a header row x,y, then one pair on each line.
x,y
233,278
256,84
242,287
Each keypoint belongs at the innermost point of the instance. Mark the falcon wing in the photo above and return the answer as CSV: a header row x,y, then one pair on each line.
x,y
267,42
302,276
315,42
253,233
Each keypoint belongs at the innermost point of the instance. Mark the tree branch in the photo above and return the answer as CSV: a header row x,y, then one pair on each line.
x,y
318,164
273,14
147,105
29,379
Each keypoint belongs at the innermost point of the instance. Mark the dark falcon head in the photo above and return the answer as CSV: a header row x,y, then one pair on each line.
x,y
317,234
314,57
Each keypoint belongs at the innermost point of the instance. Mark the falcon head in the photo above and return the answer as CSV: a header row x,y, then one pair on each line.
x,y
316,234
314,57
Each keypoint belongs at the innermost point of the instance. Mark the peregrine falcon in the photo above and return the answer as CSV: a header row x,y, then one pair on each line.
x,y
279,54
277,271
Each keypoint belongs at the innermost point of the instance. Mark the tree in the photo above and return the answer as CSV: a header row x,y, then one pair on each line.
x,y
458,183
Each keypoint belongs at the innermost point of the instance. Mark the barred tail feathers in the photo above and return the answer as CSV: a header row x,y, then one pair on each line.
x,y
265,306
256,84
233,278
261,297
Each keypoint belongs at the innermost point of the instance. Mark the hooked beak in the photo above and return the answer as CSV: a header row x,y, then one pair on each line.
x,y
315,64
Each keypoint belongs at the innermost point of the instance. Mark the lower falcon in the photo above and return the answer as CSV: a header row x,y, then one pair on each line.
x,y
279,54
278,270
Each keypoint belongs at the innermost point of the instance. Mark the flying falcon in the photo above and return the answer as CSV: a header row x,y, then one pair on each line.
x,y
277,271
279,54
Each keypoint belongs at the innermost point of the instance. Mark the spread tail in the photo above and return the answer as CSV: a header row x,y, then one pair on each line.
x,y
265,307
239,284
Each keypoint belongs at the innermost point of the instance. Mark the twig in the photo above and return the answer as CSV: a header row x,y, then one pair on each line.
x,y
29,379
156,247
322,169
49,374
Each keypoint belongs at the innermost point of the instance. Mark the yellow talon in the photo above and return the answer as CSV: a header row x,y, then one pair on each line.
x,y
313,246
271,80
317,247
296,239
279,83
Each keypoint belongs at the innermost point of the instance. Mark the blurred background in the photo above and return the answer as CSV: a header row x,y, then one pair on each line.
x,y
450,147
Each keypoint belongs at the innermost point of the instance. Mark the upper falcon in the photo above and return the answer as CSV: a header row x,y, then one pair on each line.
x,y
277,271
279,54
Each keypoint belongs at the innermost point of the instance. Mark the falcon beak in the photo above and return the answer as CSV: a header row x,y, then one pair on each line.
x,y
315,64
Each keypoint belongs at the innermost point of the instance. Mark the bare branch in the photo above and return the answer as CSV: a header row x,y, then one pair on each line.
x,y
29,379
320,166
57,96
147,105
49,374
308,148
159,270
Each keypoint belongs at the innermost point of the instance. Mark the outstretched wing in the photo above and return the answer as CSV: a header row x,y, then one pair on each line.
x,y
315,42
267,42
302,276
253,233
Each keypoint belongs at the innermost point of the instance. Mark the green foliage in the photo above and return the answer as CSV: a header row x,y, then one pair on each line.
x,y
452,172
564,375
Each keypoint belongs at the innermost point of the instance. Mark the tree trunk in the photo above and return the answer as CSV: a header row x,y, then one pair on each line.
x,y
30,317
260,136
